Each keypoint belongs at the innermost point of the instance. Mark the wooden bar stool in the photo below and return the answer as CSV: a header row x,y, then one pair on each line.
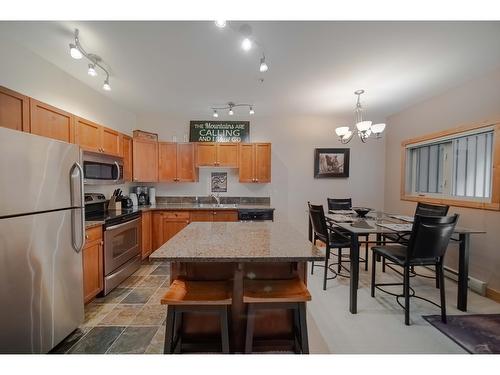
x,y
195,296
275,294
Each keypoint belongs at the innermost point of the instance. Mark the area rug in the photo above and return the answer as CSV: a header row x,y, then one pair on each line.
x,y
478,334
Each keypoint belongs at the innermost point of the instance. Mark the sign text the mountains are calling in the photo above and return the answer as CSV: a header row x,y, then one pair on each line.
x,y
219,131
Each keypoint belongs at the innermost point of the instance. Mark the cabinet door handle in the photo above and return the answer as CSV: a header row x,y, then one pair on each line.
x,y
86,236
215,212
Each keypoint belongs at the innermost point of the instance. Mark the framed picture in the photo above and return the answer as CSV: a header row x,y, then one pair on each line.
x,y
219,182
331,162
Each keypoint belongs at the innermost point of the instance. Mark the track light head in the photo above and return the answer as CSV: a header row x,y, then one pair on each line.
x,y
220,24
215,114
246,44
263,66
92,72
106,86
75,52
251,111
231,112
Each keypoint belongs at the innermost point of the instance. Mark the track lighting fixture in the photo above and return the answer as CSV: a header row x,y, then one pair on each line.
x,y
220,24
263,66
230,106
77,52
92,72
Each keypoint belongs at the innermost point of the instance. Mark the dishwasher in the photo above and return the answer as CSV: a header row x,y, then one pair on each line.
x,y
256,214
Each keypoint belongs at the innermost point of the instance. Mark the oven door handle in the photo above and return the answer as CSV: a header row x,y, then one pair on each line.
x,y
118,226
117,172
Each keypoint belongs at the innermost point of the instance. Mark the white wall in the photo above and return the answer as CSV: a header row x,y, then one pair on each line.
x,y
293,142
474,101
23,71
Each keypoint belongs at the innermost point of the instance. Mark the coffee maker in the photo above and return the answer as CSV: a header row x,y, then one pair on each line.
x,y
142,195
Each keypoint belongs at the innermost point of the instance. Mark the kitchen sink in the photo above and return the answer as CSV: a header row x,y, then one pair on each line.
x,y
215,205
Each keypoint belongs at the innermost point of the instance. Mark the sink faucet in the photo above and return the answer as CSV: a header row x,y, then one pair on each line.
x,y
216,197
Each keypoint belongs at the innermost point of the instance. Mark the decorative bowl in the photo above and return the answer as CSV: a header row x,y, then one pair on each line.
x,y
361,211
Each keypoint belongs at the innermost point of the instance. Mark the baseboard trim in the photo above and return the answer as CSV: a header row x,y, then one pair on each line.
x,y
493,294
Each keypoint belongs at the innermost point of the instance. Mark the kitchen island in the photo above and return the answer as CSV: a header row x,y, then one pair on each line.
x,y
237,251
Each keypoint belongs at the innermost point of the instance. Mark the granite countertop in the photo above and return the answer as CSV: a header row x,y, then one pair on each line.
x,y
93,223
182,207
238,242
194,207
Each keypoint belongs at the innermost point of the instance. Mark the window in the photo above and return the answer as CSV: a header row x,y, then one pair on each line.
x,y
454,167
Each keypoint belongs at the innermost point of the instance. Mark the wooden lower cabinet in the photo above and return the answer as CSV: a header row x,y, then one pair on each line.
x,y
146,234
93,277
167,224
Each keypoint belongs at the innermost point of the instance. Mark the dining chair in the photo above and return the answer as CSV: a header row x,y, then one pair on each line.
x,y
427,246
346,204
331,238
421,209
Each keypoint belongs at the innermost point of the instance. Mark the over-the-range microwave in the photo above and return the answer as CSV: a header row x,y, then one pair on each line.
x,y
101,169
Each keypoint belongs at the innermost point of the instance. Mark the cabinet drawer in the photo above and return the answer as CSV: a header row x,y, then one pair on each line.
x,y
179,215
93,234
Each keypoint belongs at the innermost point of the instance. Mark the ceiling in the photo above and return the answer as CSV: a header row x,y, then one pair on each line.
x,y
183,68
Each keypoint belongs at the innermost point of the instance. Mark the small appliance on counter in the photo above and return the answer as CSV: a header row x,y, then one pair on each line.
x,y
152,195
134,199
142,195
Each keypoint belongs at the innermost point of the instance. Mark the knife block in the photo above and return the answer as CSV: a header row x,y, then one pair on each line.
x,y
113,204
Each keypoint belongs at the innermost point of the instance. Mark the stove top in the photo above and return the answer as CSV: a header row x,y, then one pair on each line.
x,y
95,210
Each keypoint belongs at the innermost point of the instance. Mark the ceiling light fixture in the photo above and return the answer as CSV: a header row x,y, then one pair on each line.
x,y
92,72
364,128
77,52
246,44
263,66
106,86
230,106
220,24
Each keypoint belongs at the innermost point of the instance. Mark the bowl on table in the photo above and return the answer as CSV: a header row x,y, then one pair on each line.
x,y
361,211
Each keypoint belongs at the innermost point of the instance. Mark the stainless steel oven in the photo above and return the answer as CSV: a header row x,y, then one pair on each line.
x,y
102,169
122,255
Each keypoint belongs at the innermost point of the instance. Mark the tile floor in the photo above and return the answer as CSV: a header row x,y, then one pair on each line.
x,y
131,320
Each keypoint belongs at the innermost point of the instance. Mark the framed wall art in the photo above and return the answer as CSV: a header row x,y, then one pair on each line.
x,y
331,162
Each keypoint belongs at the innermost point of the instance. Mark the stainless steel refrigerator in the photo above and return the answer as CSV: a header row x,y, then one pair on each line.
x,y
41,238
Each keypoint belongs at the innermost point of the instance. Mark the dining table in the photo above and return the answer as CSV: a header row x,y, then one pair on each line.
x,y
380,223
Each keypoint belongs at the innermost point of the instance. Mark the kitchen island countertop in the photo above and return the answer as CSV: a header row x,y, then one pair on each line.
x,y
238,242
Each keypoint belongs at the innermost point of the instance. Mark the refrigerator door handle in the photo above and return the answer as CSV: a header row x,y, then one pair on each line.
x,y
78,246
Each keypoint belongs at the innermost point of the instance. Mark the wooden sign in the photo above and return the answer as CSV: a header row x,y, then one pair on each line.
x,y
219,131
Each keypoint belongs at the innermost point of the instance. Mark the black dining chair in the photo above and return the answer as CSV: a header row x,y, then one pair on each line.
x,y
427,245
332,239
346,204
421,209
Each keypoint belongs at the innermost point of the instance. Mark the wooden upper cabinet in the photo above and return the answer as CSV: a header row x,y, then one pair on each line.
x,y
97,138
88,135
51,122
206,154
167,161
227,155
127,157
212,154
14,110
111,142
255,162
247,162
263,162
176,162
145,160
186,170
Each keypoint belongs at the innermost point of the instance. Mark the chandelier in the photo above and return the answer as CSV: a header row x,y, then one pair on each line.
x,y
365,129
